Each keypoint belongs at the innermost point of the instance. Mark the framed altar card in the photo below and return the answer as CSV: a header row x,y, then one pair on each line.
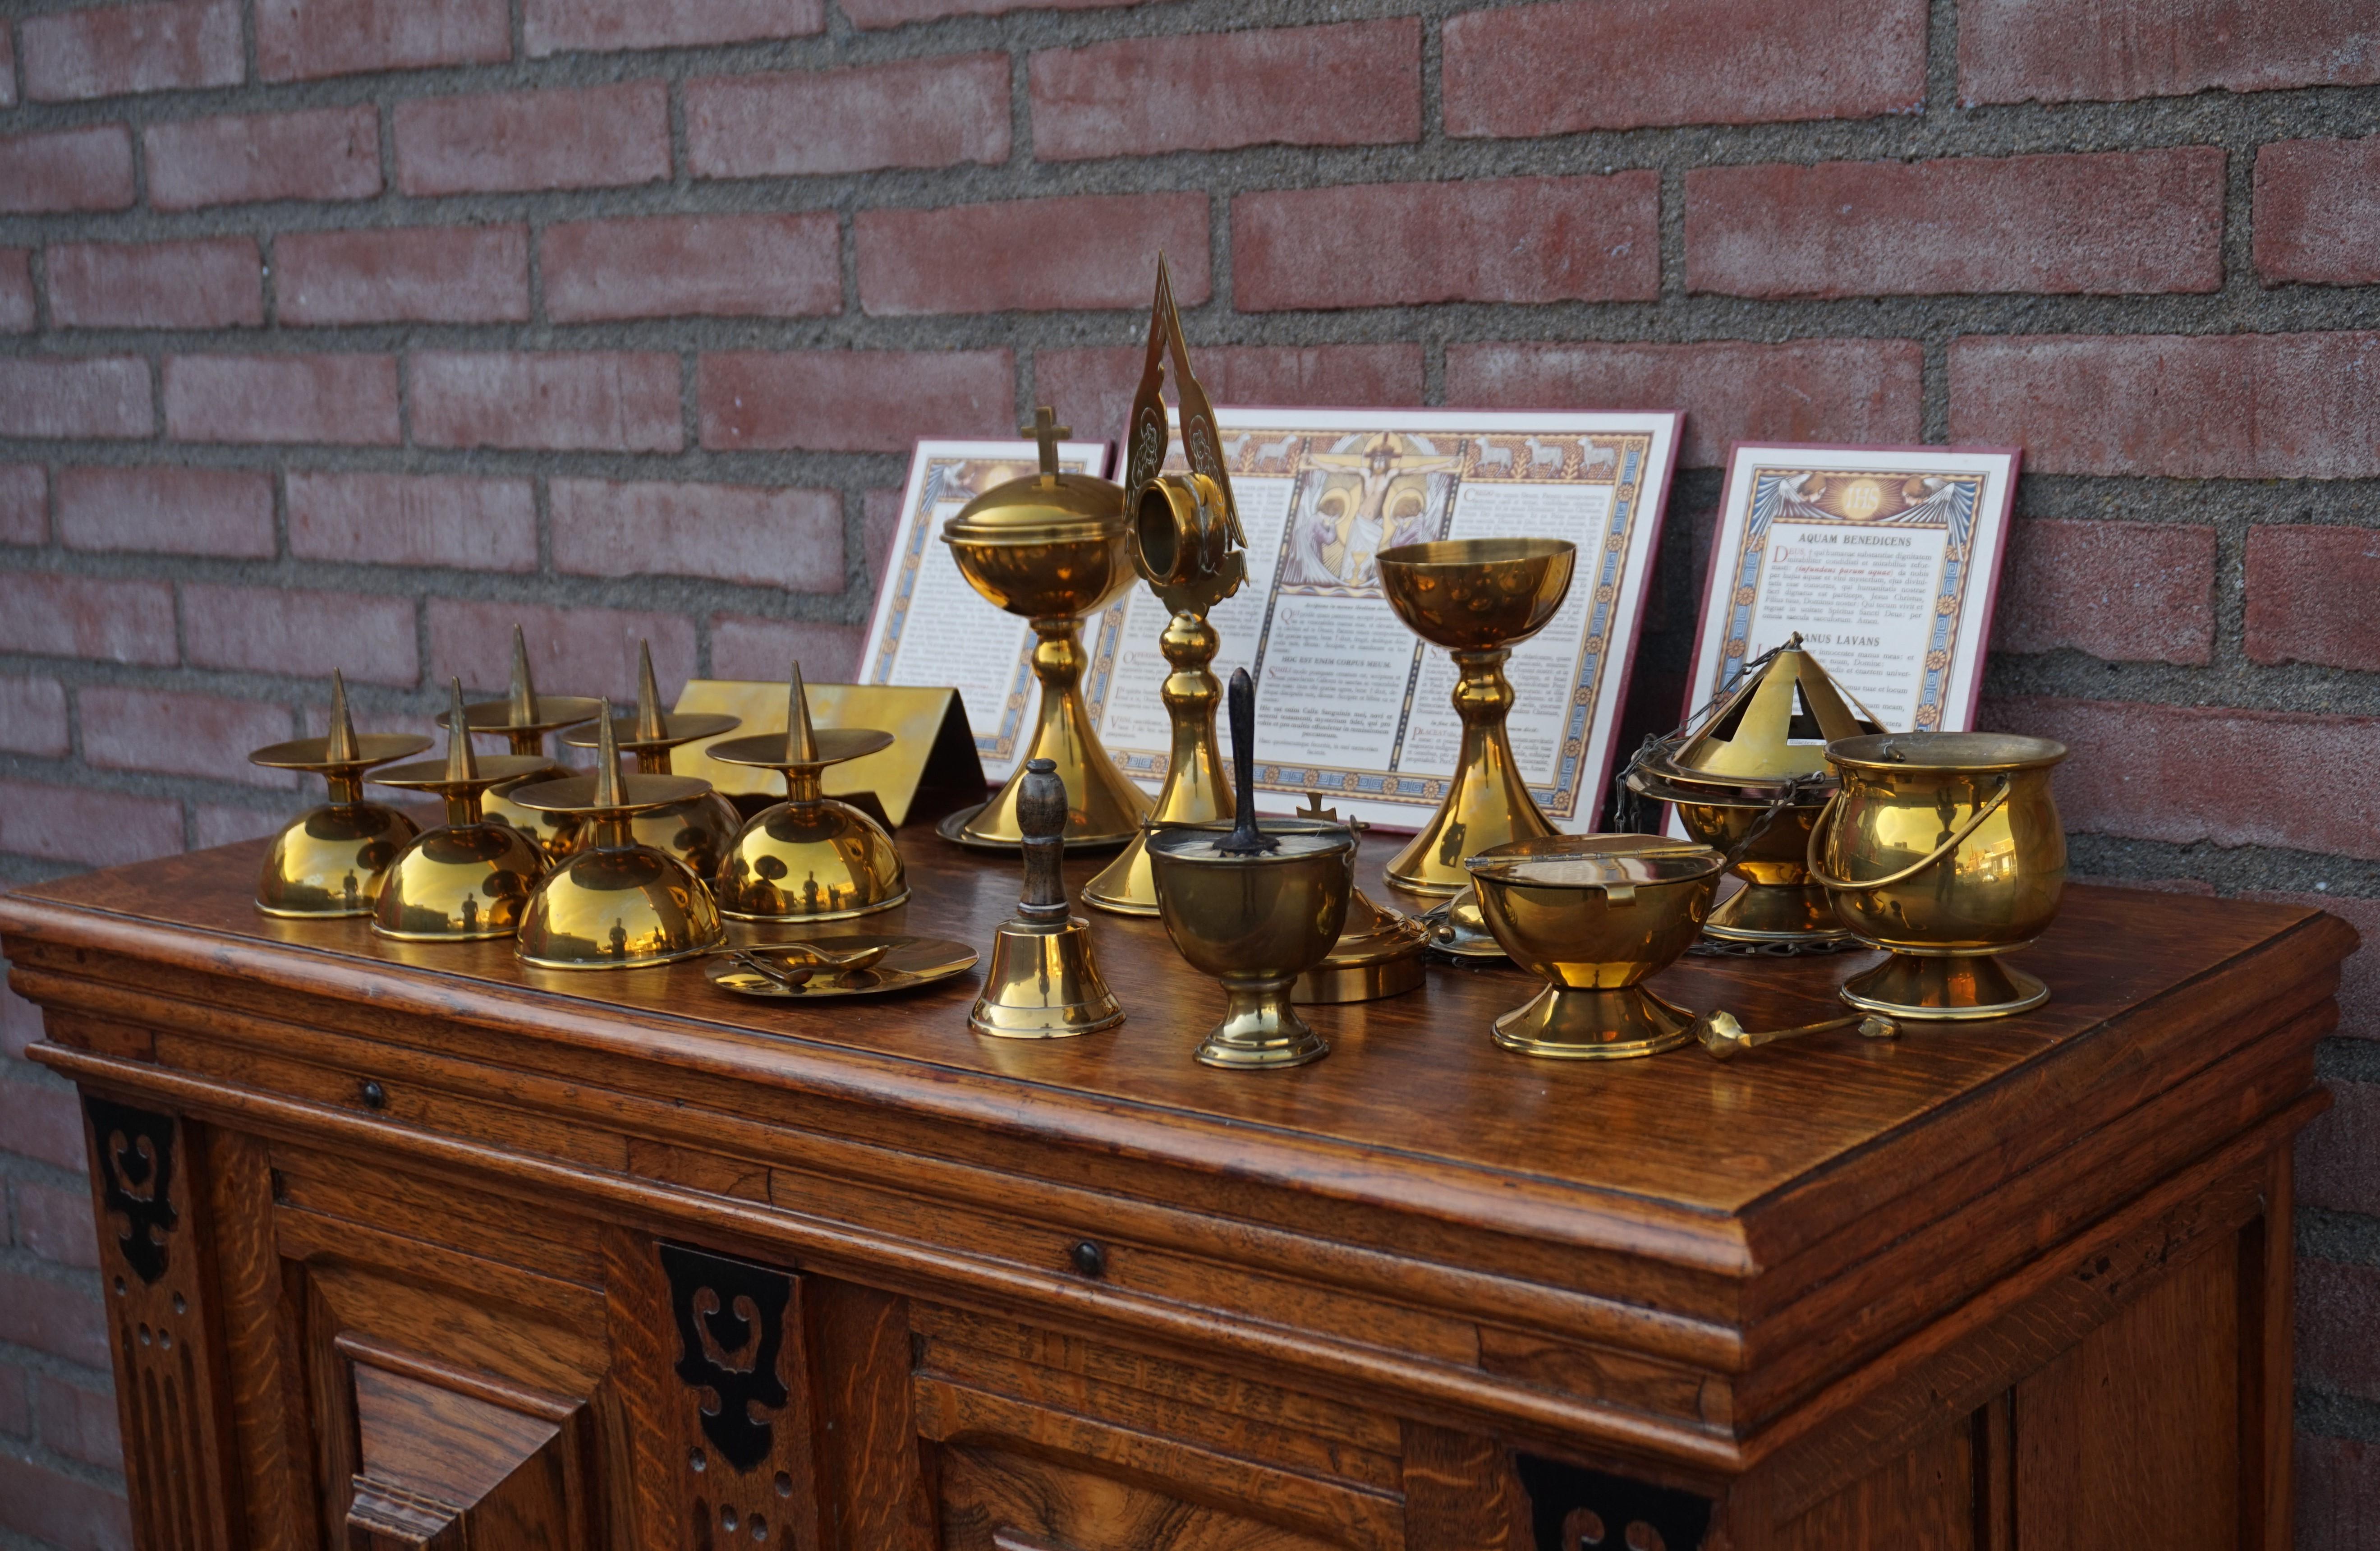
x,y
1349,701
932,628
1886,559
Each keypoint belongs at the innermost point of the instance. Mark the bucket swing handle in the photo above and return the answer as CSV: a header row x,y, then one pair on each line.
x,y
1825,817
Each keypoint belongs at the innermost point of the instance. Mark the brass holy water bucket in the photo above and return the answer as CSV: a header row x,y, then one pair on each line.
x,y
1944,848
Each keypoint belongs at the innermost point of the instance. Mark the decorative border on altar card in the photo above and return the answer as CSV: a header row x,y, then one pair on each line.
x,y
1868,496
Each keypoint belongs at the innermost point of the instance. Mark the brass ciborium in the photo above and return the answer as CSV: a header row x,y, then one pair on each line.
x,y
1594,915
1052,547
525,718
698,830
471,877
1478,598
1186,544
615,903
1255,908
809,858
1043,983
1945,849
329,861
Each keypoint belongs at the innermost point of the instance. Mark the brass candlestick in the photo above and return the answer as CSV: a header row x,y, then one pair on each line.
x,y
1255,908
1186,544
328,861
1479,598
472,876
617,903
1052,547
525,718
1042,983
698,830
809,858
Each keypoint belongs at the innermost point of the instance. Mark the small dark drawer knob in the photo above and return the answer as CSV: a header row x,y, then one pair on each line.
x,y
375,1096
1089,1258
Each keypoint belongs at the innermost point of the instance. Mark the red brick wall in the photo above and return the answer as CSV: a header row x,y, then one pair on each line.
x,y
351,331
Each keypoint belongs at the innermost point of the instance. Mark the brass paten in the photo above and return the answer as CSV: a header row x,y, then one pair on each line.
x,y
1945,849
617,903
1379,953
525,718
1594,915
698,830
1187,545
1052,547
1043,983
471,877
1256,908
1478,598
831,968
328,861
809,858
1749,777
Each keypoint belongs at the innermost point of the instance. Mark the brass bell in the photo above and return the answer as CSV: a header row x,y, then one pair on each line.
x,y
1042,983
471,877
809,858
328,861
698,830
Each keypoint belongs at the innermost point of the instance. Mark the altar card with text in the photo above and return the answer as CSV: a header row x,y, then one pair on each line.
x,y
1886,559
932,628
1350,701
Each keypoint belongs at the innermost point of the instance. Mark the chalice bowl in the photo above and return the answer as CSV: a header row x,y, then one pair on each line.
x,y
1946,850
1478,598
1594,916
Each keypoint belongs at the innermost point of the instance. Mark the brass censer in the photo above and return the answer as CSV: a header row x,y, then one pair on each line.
x,y
1946,850
1187,545
328,861
471,877
1043,983
1748,775
525,718
811,857
699,829
1051,547
617,903
1256,908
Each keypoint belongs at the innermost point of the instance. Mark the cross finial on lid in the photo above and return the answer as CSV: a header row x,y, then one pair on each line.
x,y
1045,429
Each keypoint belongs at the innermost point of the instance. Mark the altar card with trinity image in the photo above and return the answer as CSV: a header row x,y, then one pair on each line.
x,y
1351,702
1886,559
933,628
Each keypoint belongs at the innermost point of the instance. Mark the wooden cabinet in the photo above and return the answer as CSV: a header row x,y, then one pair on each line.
x,y
408,1246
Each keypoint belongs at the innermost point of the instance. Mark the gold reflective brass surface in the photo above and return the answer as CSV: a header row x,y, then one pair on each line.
x,y
698,830
1456,927
1594,915
930,766
1051,547
329,861
1945,849
1043,983
1380,950
1478,598
1726,1038
809,858
1779,903
1256,922
617,903
899,963
471,877
525,718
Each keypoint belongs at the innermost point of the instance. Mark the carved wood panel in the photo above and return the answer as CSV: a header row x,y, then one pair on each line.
x,y
1575,1509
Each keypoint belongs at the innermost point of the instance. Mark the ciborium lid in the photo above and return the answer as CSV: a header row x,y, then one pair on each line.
x,y
649,730
1047,508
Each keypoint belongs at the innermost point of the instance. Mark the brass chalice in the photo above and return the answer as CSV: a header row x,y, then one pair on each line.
x,y
328,861
809,858
1255,908
1478,598
525,718
471,877
699,829
1596,915
1052,547
617,903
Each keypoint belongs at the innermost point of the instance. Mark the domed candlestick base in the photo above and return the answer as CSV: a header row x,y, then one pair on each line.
x,y
1042,983
471,877
329,861
809,858
1478,598
617,904
698,830
525,718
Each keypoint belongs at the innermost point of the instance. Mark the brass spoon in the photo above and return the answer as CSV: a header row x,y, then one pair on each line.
x,y
1725,1038
793,976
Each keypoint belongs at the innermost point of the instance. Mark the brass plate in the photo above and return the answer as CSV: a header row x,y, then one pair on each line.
x,y
951,827
912,962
